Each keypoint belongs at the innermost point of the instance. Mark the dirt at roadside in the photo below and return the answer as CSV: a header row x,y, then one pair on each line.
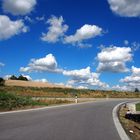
x,y
132,128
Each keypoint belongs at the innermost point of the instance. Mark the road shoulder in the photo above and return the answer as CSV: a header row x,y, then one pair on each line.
x,y
117,123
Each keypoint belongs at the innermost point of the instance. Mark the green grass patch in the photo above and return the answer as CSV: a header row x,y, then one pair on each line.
x,y
11,101
138,107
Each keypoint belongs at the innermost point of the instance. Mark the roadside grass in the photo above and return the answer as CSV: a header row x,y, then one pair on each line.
x,y
129,124
14,97
138,107
9,101
66,92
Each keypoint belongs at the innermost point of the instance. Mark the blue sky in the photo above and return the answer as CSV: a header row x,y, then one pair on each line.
x,y
82,43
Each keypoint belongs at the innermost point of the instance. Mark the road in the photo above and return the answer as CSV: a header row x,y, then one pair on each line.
x,y
89,121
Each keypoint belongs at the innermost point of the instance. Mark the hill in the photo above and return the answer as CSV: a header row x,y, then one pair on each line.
x,y
30,84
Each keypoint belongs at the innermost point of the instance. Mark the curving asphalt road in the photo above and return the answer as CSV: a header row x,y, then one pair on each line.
x,y
88,121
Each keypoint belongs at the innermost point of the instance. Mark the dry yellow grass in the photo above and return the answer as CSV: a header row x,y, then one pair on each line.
x,y
30,84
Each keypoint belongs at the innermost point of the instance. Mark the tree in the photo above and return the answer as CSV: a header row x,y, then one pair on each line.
x,y
22,78
136,90
13,77
2,81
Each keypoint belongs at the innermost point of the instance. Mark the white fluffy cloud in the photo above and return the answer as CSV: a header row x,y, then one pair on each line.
x,y
84,77
9,28
132,81
82,34
6,77
82,87
135,71
56,30
48,63
2,64
125,8
41,80
113,59
121,88
18,7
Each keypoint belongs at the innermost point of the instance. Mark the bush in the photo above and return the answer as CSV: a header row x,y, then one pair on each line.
x,y
2,81
10,101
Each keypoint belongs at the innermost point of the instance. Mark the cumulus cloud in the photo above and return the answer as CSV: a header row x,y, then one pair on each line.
x,y
2,64
9,28
121,88
82,34
82,87
6,77
84,76
125,8
18,7
135,71
56,30
113,59
81,77
48,63
41,80
132,81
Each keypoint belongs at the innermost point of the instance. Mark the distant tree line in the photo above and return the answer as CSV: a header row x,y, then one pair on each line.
x,y
21,77
136,90
13,77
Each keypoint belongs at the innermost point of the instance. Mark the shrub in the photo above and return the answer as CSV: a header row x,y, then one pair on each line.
x,y
10,101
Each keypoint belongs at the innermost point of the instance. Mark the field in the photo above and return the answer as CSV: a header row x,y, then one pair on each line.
x,y
29,84
21,96
38,89
10,101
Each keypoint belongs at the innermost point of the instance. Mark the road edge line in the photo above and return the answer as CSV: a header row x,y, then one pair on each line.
x,y
117,123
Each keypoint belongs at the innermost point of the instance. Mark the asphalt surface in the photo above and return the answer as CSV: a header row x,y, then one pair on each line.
x,y
90,121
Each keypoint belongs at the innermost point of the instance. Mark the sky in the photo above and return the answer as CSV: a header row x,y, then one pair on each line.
x,y
82,44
